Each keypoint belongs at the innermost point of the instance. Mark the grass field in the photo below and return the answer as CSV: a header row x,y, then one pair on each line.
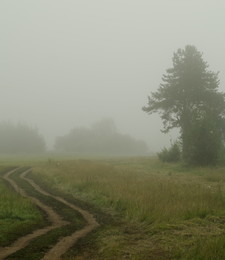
x,y
150,210
142,192
166,211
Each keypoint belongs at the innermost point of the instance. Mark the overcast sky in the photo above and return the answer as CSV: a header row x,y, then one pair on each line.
x,y
69,63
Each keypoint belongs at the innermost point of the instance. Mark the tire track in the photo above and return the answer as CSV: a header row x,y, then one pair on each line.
x,y
56,220
66,242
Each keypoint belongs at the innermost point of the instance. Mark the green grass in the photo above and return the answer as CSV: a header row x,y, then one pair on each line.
x,y
139,194
165,211
213,248
156,210
18,216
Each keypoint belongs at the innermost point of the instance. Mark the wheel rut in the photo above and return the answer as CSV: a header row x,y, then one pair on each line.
x,y
64,243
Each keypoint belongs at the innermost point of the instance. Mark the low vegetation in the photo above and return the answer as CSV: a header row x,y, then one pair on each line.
x,y
165,210
142,196
173,154
146,209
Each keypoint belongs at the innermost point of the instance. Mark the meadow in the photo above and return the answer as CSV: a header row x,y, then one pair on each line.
x,y
165,211
146,209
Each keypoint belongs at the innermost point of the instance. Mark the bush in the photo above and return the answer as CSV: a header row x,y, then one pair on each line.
x,y
173,154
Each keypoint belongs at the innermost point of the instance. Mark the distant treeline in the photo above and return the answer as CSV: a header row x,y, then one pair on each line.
x,y
20,138
101,139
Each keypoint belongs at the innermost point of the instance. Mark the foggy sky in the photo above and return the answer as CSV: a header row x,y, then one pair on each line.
x,y
69,63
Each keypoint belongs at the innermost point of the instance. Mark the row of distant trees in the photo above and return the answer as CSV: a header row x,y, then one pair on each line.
x,y
20,138
100,139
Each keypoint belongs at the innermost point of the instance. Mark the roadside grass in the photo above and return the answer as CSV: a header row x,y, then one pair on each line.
x,y
166,211
18,216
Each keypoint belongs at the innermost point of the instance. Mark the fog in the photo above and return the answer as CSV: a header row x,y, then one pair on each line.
x,y
66,64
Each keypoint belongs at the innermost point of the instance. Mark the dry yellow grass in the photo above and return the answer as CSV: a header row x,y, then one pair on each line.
x,y
138,191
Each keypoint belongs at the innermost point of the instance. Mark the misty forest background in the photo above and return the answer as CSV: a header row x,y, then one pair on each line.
x,y
187,99
102,138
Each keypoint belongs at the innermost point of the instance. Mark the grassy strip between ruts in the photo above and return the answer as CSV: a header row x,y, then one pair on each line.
x,y
166,212
37,248
18,216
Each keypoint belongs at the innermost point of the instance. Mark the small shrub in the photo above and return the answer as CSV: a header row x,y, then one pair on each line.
x,y
173,154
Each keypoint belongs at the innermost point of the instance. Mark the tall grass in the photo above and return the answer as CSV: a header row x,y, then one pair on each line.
x,y
138,192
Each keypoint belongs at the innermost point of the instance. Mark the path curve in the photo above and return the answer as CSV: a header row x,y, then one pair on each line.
x,y
64,243
55,220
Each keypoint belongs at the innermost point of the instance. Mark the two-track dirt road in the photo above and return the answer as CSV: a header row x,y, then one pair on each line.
x,y
54,218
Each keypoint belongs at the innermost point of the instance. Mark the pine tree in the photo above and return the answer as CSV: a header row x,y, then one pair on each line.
x,y
188,98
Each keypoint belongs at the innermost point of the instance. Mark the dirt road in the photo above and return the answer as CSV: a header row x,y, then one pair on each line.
x,y
54,218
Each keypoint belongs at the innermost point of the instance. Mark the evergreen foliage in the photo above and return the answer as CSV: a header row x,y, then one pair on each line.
x,y
189,99
173,154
